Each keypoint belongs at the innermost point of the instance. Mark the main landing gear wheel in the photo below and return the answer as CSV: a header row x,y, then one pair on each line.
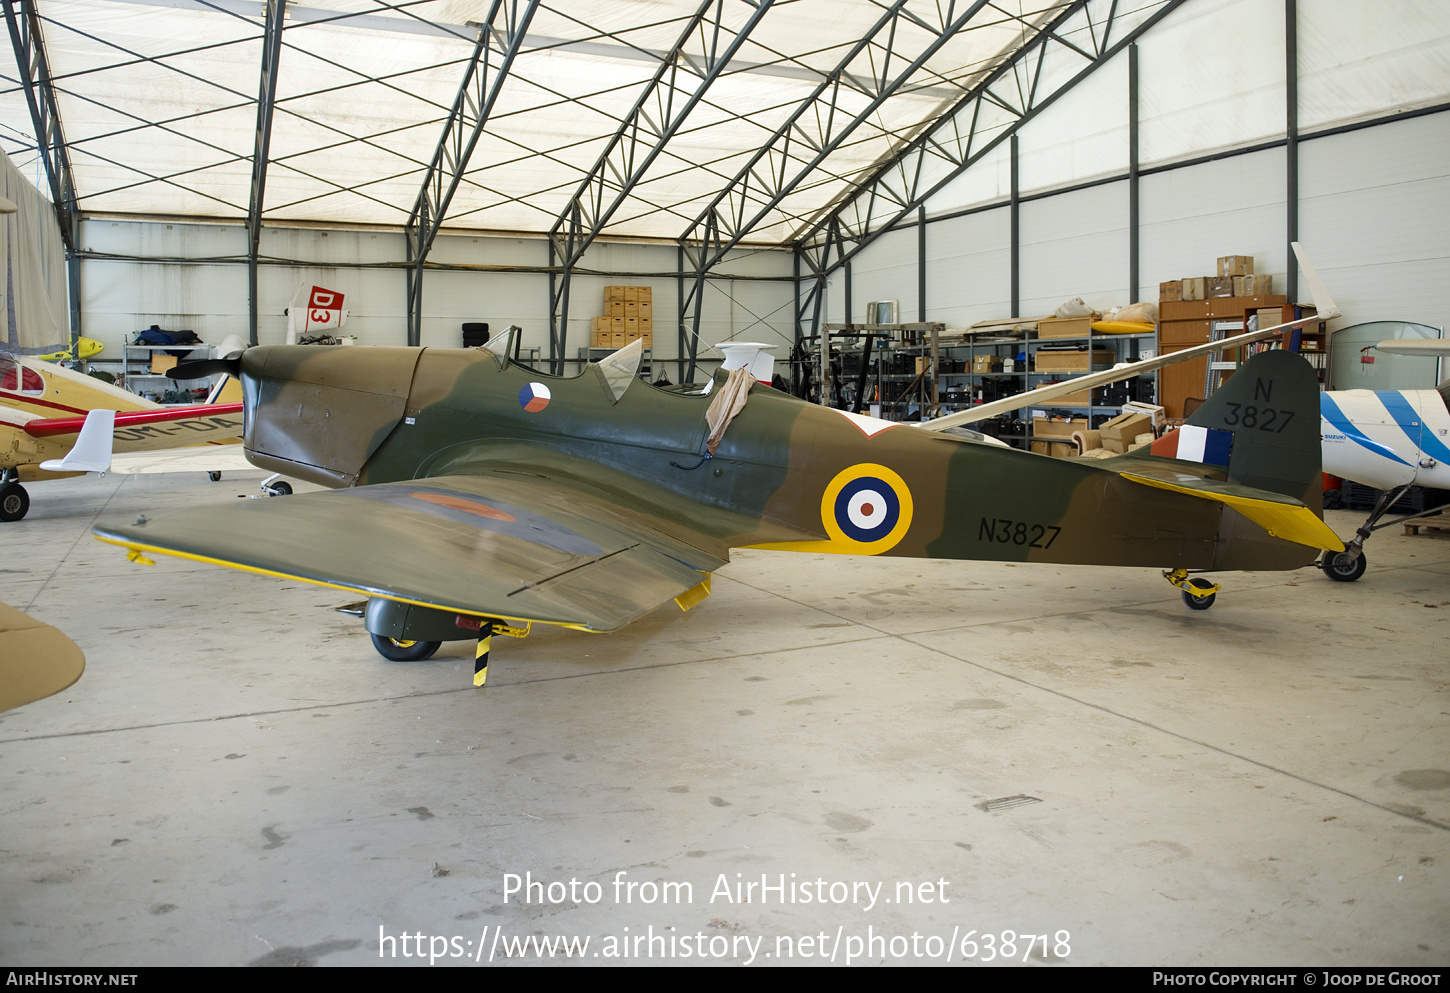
x,y
215,477
280,488
1199,602
1341,568
404,651
14,502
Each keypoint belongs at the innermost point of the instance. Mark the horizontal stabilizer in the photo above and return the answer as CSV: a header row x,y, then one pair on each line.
x,y
1281,516
92,451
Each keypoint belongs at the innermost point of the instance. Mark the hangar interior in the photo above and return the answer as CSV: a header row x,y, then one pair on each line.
x,y
239,779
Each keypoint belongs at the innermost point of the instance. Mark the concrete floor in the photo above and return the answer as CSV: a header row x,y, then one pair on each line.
x,y
238,778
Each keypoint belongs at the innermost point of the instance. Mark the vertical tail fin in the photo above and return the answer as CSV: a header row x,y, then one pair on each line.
x,y
1267,415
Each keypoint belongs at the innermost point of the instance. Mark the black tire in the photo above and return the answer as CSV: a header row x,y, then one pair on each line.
x,y
1338,567
14,502
280,488
215,477
1197,602
404,651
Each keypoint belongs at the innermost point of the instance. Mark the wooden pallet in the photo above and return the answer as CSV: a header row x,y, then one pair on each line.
x,y
1440,522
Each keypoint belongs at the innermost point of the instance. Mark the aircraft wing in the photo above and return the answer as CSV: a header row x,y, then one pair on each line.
x,y
196,458
36,660
553,541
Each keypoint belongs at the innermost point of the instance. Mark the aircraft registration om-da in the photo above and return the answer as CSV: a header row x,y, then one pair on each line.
x,y
473,491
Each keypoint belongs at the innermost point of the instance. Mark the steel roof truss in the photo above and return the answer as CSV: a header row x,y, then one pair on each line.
x,y
966,134
499,40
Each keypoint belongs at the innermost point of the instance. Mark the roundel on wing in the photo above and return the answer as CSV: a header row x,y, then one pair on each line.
x,y
534,397
867,507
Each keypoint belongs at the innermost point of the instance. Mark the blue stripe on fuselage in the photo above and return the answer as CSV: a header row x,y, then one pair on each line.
x,y
1406,417
1335,416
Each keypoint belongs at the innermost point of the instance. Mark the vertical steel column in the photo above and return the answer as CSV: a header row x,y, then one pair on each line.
x,y
680,314
1291,148
31,59
848,305
276,12
1016,206
1133,247
921,264
795,270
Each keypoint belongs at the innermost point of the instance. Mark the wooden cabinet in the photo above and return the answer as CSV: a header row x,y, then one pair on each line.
x,y
1183,323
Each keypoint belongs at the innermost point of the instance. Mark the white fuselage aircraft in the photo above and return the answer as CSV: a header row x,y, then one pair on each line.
x,y
1390,440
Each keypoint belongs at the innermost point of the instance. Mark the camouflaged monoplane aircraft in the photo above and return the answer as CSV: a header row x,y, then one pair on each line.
x,y
473,495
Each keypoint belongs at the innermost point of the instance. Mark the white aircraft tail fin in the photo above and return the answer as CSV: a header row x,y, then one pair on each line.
x,y
92,451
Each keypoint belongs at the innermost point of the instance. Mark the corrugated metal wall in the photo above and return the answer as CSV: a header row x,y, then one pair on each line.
x,y
121,297
1372,202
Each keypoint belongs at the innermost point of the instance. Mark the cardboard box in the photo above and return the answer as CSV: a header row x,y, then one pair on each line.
x,y
1123,430
631,326
601,324
1056,427
646,310
1064,327
615,308
160,362
1220,286
599,339
617,339
1098,358
631,294
616,324
647,338
1056,449
1195,288
1170,291
1155,413
986,363
614,294
645,324
1236,265
1270,316
631,310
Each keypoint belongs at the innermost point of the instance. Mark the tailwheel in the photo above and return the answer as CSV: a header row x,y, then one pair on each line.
x,y
1341,568
14,502
1199,601
395,650
1198,593
214,476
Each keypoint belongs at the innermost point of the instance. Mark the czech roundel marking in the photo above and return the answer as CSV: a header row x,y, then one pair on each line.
x,y
534,397
867,508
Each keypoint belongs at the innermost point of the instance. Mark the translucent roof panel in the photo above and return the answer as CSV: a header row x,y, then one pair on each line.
x,y
158,100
